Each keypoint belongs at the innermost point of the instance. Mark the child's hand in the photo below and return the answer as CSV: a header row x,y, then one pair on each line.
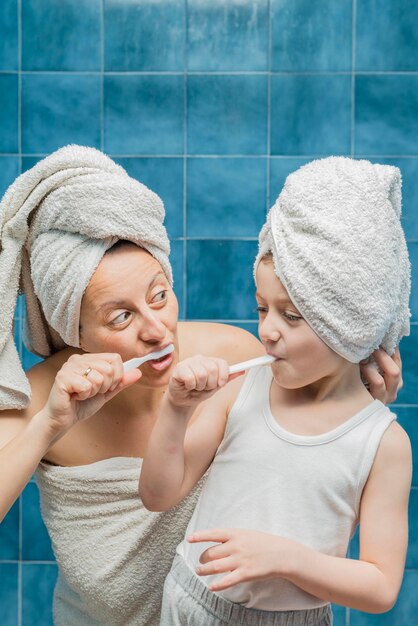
x,y
244,555
196,379
384,377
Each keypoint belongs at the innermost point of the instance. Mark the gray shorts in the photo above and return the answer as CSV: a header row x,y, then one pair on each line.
x,y
188,602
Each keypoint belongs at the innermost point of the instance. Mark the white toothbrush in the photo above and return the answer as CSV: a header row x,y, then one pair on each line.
x,y
152,356
246,365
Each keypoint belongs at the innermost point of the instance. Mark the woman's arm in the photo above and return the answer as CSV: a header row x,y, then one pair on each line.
x,y
177,456
369,584
26,436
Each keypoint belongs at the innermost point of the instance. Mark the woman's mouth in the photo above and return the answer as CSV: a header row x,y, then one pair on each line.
x,y
163,363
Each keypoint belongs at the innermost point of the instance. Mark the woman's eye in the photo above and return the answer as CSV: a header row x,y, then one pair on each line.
x,y
121,318
290,317
160,296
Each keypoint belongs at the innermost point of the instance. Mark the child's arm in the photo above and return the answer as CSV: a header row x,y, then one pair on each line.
x,y
369,584
177,456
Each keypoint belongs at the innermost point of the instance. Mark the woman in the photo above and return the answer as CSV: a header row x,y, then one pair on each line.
x,y
92,253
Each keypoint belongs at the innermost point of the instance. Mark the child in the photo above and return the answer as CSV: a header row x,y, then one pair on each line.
x,y
299,452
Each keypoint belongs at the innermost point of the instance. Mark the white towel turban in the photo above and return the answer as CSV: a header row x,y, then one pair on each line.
x,y
339,250
56,222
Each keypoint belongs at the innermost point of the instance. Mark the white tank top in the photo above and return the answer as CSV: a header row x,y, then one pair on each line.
x,y
307,488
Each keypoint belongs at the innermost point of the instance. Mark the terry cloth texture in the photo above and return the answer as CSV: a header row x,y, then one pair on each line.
x,y
113,555
339,250
56,222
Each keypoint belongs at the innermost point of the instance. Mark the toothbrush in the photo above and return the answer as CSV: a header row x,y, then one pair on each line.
x,y
152,356
246,365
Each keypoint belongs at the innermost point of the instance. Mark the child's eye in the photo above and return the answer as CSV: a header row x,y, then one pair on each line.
x,y
160,296
260,309
290,317
121,318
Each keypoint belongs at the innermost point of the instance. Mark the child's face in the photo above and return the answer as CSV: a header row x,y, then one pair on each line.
x,y
303,357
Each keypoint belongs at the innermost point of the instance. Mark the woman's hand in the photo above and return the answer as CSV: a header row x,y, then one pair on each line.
x,y
83,385
243,555
385,380
196,379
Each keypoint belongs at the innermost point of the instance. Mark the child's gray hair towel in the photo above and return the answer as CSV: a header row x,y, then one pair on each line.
x,y
339,250
56,222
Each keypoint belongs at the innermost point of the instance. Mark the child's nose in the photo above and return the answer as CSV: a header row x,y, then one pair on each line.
x,y
268,331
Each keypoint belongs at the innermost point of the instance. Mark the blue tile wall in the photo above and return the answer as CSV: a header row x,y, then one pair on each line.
x,y
211,103
8,35
59,36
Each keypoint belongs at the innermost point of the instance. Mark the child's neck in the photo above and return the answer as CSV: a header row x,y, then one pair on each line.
x,y
321,406
343,384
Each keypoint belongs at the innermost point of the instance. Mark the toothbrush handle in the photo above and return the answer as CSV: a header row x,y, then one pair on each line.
x,y
132,364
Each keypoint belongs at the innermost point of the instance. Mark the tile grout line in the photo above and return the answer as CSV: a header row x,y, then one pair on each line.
x,y
268,150
185,169
102,35
20,528
353,77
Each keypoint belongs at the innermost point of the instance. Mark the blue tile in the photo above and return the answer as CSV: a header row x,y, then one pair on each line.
x,y
226,197
227,114
220,281
409,351
9,170
177,263
386,35
408,419
412,554
144,35
280,168
340,615
413,255
8,35
386,113
9,594
143,114
9,535
229,36
38,582
36,544
29,359
165,177
59,36
310,115
9,113
60,109
28,162
404,612
311,36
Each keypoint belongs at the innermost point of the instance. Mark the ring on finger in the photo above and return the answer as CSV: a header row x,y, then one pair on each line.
x,y
87,372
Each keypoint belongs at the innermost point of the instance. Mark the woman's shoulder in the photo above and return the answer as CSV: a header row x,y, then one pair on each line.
x,y
224,341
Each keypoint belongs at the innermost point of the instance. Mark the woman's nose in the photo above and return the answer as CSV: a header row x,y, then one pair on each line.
x,y
152,328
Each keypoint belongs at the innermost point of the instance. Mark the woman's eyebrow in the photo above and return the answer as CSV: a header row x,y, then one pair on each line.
x,y
110,304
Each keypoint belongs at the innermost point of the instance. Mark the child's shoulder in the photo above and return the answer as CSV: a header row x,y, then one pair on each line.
x,y
394,449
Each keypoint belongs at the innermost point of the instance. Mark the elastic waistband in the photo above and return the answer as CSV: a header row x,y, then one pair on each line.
x,y
238,614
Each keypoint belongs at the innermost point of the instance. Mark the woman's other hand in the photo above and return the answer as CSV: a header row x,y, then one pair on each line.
x,y
385,380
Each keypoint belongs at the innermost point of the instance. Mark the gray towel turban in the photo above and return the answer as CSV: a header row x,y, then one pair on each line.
x,y
56,222
339,250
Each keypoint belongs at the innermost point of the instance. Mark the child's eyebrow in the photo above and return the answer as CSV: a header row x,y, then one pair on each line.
x,y
279,299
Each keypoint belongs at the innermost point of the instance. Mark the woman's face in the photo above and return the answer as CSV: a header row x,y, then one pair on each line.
x,y
129,308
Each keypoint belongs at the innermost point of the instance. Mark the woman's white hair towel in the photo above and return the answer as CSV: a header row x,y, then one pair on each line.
x,y
339,250
56,222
